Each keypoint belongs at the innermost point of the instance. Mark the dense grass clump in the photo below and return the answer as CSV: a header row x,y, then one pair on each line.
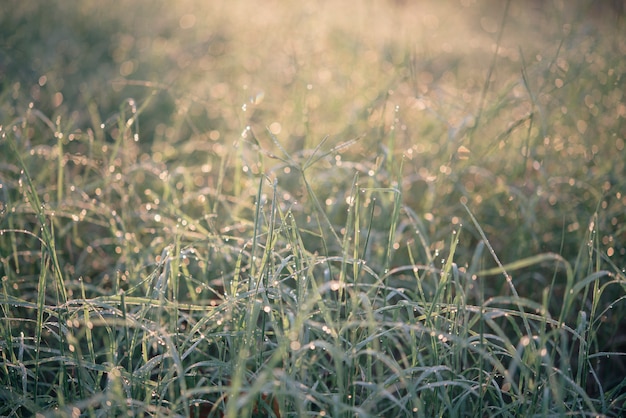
x,y
330,209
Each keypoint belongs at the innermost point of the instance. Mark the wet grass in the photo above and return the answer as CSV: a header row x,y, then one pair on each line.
x,y
261,210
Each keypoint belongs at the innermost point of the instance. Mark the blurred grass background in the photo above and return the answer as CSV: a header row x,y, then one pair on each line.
x,y
407,77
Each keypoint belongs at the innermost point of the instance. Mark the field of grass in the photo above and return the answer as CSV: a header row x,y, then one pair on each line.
x,y
312,209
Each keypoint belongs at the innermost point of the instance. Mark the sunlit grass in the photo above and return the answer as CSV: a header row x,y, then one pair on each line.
x,y
244,209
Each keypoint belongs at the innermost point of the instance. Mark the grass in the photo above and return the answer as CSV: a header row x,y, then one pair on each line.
x,y
342,209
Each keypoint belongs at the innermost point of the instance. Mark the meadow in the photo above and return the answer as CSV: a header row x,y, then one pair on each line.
x,y
312,209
